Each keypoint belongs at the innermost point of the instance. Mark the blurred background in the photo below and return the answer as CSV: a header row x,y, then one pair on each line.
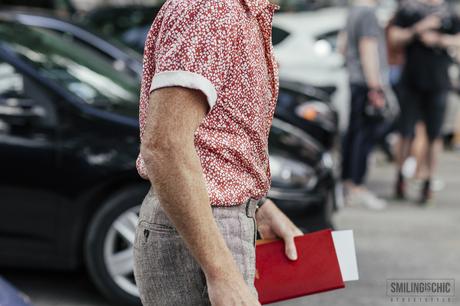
x,y
70,194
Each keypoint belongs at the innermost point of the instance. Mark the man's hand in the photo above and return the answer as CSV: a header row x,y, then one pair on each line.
x,y
230,289
376,98
400,37
447,41
428,23
272,223
431,39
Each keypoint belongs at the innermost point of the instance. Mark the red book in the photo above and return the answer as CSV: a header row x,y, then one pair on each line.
x,y
316,270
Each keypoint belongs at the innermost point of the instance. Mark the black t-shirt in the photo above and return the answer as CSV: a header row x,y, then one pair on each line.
x,y
426,68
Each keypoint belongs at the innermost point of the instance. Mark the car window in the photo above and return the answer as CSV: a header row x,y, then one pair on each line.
x,y
75,39
75,68
278,35
21,97
94,47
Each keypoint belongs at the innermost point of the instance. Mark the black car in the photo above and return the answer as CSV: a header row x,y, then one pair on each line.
x,y
121,57
69,137
292,98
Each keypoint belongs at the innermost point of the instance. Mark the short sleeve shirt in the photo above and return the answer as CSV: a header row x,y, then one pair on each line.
x,y
223,49
362,22
426,68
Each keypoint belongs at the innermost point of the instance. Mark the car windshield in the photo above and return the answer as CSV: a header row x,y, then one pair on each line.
x,y
79,70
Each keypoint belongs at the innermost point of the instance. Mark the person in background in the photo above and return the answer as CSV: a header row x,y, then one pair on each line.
x,y
426,29
396,62
364,47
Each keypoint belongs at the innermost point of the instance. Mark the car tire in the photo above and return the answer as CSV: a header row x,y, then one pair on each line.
x,y
118,214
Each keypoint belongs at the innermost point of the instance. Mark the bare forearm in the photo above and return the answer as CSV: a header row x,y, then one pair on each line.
x,y
176,176
370,62
450,41
399,37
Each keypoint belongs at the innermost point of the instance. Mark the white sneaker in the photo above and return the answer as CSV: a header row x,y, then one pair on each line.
x,y
364,198
409,167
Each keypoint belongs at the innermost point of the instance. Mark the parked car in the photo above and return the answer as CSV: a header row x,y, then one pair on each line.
x,y
69,137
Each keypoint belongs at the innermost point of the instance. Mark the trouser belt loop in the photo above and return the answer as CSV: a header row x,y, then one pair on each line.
x,y
251,206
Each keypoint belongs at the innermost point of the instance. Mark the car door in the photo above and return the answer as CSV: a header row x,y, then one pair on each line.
x,y
28,167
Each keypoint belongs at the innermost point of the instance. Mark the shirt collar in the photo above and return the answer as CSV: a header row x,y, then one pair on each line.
x,y
255,7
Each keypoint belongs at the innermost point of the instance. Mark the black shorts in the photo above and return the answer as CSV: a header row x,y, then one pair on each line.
x,y
428,106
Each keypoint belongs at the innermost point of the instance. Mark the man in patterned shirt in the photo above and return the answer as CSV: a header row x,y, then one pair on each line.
x,y
209,89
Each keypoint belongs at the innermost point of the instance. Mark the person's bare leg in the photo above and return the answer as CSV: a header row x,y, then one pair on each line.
x,y
431,156
403,152
432,153
420,148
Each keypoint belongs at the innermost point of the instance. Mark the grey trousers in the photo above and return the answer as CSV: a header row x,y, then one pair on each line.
x,y
165,271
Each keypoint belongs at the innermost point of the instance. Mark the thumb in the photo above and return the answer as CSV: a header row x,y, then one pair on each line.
x,y
290,248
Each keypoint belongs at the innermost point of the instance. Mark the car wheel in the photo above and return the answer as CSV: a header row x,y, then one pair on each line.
x,y
109,245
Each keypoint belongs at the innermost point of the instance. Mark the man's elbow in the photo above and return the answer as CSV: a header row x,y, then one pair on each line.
x,y
156,150
148,153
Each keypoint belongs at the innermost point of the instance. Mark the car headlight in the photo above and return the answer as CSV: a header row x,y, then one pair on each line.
x,y
312,110
318,112
290,173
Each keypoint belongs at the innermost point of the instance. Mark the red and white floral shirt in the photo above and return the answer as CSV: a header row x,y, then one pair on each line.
x,y
222,48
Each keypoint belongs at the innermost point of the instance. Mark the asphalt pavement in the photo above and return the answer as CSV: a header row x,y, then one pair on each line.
x,y
404,241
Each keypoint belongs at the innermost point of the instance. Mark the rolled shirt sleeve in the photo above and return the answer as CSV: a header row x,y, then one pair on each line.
x,y
194,49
